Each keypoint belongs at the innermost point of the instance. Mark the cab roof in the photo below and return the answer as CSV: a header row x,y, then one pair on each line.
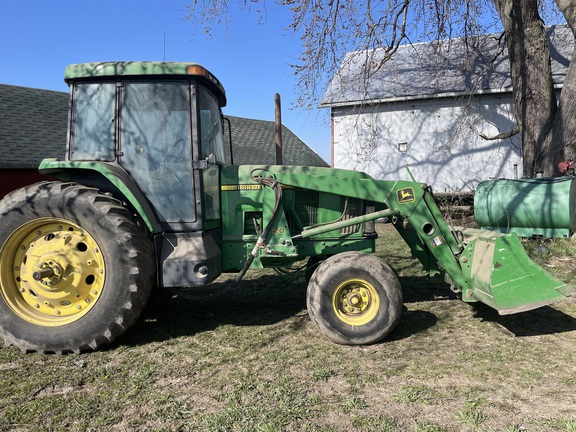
x,y
97,70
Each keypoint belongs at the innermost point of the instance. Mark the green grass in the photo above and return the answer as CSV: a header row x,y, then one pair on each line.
x,y
252,361
473,413
414,394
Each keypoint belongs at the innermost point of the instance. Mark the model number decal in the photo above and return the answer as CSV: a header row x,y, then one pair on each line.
x,y
239,187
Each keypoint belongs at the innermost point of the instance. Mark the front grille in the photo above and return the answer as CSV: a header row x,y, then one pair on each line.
x,y
306,207
351,207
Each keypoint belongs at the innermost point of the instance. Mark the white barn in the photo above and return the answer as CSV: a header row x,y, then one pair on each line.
x,y
431,108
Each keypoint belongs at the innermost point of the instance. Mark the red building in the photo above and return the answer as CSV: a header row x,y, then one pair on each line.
x,y
32,127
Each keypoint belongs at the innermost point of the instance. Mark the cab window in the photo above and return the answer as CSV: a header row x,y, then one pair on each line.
x,y
211,136
92,129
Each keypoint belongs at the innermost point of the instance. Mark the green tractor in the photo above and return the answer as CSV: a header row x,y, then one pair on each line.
x,y
145,200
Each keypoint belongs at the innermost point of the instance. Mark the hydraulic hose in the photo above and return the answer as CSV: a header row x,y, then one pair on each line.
x,y
277,188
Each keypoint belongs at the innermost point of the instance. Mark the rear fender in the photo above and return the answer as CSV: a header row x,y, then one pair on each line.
x,y
114,174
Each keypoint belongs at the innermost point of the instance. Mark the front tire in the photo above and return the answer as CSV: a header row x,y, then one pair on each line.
x,y
76,270
354,298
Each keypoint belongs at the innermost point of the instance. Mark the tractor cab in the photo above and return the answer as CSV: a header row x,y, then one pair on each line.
x,y
154,131
162,124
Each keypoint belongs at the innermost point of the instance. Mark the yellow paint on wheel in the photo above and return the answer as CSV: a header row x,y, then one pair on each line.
x,y
51,272
356,302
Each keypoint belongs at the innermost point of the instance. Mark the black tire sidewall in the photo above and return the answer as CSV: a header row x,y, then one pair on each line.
x,y
117,237
344,267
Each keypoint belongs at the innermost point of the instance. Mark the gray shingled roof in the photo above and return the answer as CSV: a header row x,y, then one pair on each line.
x,y
254,143
445,69
33,127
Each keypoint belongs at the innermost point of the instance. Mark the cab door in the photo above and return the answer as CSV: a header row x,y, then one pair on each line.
x,y
156,148
211,149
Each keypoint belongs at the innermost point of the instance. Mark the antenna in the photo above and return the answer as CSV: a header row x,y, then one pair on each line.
x,y
164,46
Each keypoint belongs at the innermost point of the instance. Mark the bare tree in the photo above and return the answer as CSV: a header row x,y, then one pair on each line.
x,y
330,29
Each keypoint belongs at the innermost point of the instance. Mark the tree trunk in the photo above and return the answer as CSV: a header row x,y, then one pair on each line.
x,y
568,8
561,142
533,90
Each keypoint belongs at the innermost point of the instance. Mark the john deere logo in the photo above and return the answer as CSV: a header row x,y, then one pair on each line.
x,y
406,195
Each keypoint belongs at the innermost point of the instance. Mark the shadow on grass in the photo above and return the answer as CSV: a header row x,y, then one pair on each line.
x,y
260,301
270,299
412,323
543,321
422,289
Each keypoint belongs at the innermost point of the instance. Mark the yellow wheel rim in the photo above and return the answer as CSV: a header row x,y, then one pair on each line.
x,y
51,272
356,302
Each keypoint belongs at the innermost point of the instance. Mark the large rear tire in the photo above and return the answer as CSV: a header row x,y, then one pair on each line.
x,y
354,298
76,269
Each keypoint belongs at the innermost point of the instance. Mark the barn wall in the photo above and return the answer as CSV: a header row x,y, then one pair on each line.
x,y
11,179
442,136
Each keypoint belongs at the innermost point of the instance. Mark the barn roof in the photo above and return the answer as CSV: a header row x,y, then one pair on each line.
x,y
254,142
437,69
33,127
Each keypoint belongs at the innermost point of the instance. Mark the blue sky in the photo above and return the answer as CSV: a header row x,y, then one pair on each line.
x,y
251,57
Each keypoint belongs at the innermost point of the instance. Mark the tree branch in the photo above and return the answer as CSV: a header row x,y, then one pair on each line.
x,y
501,136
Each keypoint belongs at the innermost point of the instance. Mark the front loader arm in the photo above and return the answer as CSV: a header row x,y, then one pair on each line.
x,y
486,267
410,206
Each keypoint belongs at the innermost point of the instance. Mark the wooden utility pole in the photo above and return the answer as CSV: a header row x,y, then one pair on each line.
x,y
278,128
